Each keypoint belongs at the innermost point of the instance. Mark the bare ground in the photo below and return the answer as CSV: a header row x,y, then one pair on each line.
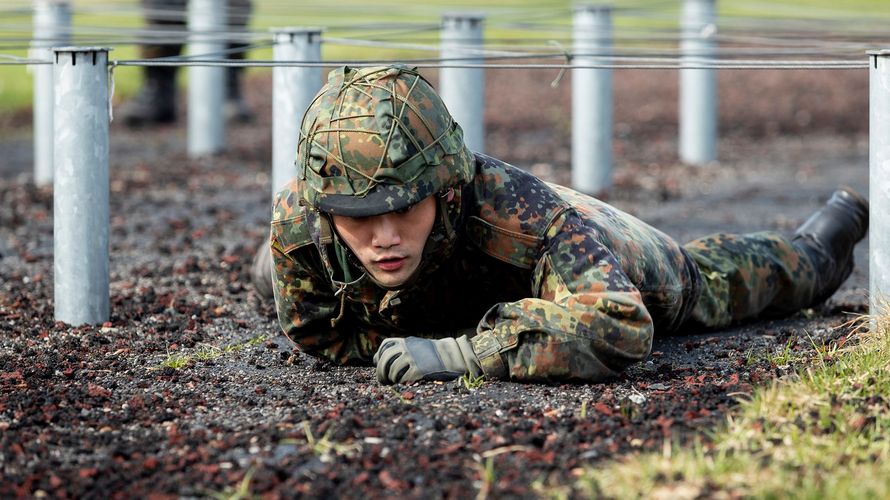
x,y
90,411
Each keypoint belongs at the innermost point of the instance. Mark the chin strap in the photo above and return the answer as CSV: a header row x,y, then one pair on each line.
x,y
342,255
445,214
341,291
342,261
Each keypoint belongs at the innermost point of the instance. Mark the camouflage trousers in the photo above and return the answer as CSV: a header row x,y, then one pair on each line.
x,y
749,276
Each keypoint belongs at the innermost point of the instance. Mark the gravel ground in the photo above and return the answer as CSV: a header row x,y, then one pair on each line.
x,y
92,411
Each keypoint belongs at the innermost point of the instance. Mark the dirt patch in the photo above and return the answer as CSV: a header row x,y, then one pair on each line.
x,y
100,411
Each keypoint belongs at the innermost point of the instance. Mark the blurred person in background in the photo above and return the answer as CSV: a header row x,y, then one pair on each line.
x,y
155,103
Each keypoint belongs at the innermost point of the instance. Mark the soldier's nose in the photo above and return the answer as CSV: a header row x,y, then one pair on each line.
x,y
385,232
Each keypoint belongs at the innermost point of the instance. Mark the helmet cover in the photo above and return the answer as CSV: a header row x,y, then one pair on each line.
x,y
377,140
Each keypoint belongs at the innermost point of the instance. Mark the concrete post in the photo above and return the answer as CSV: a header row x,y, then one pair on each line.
x,y
52,27
463,89
80,188
879,182
292,92
206,92
592,100
698,87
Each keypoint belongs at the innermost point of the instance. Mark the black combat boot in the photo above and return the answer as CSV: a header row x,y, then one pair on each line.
x,y
156,101
828,238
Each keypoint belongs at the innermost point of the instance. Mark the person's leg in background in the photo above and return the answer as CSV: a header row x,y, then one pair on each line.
x,y
156,101
236,107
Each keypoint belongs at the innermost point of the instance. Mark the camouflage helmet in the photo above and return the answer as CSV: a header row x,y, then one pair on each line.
x,y
377,140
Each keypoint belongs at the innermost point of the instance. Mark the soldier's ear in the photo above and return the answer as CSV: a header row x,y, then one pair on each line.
x,y
448,195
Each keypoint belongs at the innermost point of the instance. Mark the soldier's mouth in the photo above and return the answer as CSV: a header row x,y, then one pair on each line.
x,y
391,264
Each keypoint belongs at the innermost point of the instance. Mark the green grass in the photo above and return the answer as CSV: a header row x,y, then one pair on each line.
x,y
325,448
239,492
819,434
402,399
509,23
176,361
471,382
205,352
784,355
338,19
827,10
16,83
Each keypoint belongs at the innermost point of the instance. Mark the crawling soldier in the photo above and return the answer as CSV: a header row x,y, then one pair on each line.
x,y
396,245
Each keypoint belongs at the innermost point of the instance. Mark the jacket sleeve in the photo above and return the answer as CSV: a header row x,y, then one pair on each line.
x,y
585,320
306,308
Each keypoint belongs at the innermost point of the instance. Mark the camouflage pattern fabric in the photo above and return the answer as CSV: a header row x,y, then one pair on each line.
x,y
550,284
377,140
750,276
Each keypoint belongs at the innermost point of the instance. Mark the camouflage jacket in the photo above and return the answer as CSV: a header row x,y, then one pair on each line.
x,y
549,283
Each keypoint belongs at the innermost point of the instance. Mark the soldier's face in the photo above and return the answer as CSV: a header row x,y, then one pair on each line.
x,y
390,246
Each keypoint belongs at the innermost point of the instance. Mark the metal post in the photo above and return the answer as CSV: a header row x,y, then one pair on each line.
x,y
592,100
698,87
879,182
206,123
463,89
80,188
292,92
52,27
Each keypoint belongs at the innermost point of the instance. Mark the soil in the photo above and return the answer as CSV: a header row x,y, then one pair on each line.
x,y
91,411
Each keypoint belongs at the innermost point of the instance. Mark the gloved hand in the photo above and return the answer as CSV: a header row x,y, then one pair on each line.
x,y
413,358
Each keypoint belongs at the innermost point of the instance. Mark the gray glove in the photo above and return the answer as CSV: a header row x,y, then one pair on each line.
x,y
413,358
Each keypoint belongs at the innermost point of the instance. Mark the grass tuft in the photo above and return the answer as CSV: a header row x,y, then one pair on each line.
x,y
820,433
176,361
206,352
470,382
487,478
785,355
241,492
402,399
325,448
